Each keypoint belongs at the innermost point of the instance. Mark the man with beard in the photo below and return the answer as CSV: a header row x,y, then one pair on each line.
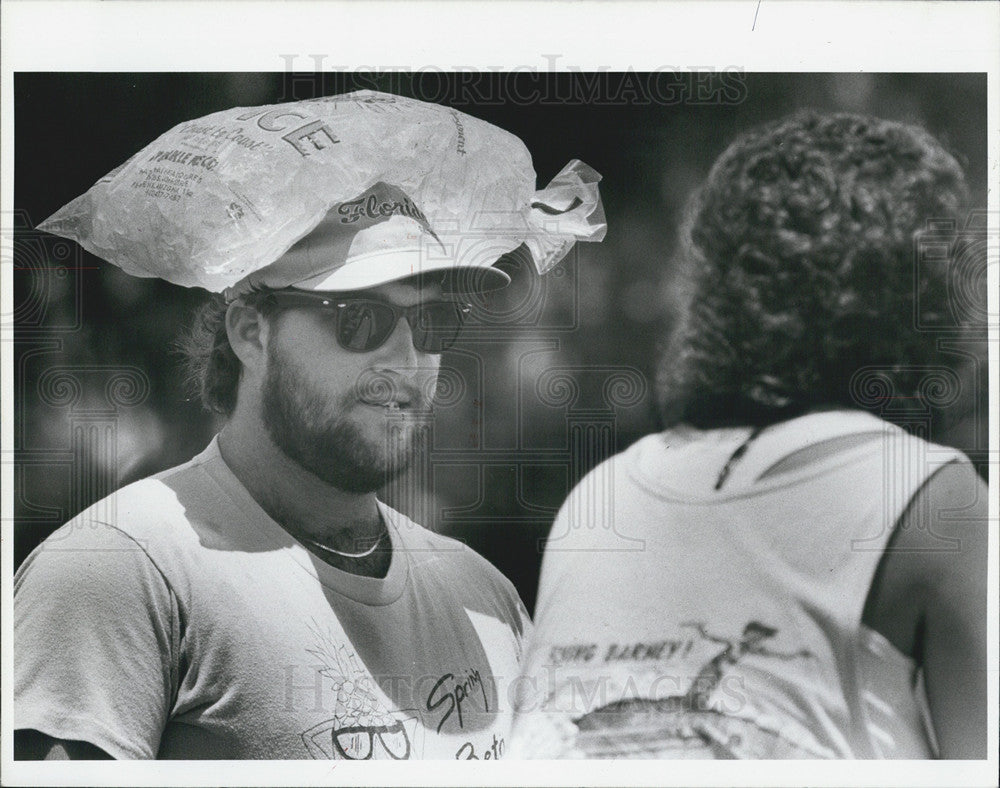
x,y
259,601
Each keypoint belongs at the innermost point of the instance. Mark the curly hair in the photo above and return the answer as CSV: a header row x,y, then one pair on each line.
x,y
800,255
212,370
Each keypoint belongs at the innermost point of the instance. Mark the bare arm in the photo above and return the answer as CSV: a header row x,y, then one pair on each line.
x,y
954,637
32,745
930,601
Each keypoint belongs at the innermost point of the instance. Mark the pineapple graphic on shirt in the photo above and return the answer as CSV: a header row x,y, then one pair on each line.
x,y
362,728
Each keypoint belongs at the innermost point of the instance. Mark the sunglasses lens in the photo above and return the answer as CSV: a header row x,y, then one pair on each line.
x,y
364,325
437,326
395,741
354,744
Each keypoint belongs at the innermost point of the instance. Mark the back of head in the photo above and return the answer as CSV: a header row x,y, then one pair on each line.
x,y
800,251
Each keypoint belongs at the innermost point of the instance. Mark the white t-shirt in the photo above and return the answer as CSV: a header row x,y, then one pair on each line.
x,y
175,619
675,620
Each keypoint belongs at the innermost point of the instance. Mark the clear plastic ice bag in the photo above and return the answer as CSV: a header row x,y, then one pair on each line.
x,y
217,198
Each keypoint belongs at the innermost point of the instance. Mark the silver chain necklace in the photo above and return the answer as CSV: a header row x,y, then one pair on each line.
x,y
363,554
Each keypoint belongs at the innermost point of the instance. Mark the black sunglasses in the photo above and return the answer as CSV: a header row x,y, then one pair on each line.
x,y
357,743
364,322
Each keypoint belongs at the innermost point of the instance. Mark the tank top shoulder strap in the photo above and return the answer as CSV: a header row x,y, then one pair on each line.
x,y
779,441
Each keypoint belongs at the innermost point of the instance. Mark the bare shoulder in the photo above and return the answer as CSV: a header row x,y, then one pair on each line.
x,y
943,530
936,556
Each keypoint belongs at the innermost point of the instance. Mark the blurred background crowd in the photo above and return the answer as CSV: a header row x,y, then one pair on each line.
x,y
553,375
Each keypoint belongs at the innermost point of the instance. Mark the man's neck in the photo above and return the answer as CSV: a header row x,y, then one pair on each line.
x,y
299,501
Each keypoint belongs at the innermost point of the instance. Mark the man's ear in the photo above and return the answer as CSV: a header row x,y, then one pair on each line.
x,y
247,330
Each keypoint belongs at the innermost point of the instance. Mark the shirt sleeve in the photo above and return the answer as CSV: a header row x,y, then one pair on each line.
x,y
95,638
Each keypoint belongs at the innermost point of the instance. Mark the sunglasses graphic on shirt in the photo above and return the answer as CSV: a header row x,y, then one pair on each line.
x,y
357,743
328,740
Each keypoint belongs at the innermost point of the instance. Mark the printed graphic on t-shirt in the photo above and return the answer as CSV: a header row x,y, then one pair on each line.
x,y
693,723
362,728
458,715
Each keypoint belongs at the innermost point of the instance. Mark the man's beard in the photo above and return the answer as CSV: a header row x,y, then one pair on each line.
x,y
299,421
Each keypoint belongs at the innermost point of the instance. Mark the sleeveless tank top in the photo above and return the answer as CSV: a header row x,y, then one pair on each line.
x,y
676,620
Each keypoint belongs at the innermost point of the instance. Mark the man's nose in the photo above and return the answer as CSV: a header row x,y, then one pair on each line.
x,y
417,371
400,342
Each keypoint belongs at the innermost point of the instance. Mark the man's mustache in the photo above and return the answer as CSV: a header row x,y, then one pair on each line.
x,y
395,388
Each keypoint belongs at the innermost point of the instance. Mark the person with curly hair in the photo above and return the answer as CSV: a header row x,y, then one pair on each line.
x,y
779,499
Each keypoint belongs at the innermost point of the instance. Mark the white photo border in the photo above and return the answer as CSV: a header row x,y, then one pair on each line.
x,y
754,35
